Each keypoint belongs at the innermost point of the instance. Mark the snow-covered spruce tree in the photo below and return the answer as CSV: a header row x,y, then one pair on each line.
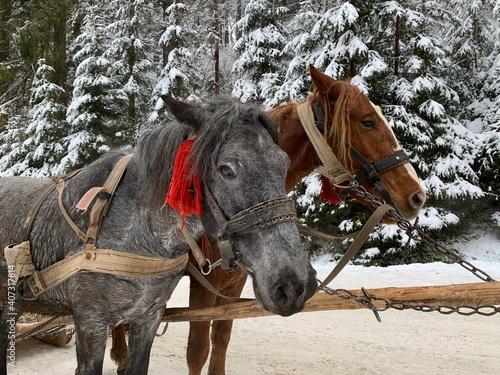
x,y
38,150
336,42
422,105
131,55
420,100
98,99
482,114
178,75
258,70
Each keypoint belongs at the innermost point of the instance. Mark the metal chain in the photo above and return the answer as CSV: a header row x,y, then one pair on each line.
x,y
377,304
410,229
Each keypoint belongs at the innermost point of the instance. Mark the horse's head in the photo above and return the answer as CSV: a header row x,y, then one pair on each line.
x,y
352,121
243,171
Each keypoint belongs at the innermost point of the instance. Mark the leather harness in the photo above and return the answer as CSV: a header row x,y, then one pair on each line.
x,y
92,259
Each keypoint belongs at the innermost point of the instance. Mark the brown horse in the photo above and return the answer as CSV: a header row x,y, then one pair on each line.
x,y
349,118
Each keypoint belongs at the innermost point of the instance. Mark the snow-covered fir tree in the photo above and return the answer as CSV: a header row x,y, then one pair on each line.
x,y
261,62
131,55
178,75
38,150
98,99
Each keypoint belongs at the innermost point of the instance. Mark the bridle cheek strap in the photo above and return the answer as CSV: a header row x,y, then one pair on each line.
x,y
330,166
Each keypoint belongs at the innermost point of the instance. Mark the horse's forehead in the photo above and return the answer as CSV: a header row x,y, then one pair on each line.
x,y
250,140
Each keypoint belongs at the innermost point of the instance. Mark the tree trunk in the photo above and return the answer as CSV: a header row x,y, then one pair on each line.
x,y
59,56
131,64
396,47
217,49
5,33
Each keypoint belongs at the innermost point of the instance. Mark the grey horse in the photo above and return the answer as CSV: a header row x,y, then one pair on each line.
x,y
236,156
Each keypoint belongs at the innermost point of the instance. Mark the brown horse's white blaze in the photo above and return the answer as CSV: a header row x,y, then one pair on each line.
x,y
416,198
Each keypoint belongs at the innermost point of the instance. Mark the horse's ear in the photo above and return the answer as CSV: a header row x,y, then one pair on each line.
x,y
320,80
324,83
184,112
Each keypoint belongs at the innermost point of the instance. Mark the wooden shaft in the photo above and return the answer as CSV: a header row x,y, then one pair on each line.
x,y
477,294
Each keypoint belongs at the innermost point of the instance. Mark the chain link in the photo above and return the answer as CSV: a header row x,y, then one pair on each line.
x,y
377,304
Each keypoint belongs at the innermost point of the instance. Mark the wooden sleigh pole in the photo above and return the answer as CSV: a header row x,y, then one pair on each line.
x,y
451,296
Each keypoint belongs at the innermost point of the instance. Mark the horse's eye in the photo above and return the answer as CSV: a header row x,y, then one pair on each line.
x,y
368,123
226,171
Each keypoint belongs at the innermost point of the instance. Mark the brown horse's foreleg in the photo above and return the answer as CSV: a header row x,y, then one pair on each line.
x,y
199,332
119,348
221,329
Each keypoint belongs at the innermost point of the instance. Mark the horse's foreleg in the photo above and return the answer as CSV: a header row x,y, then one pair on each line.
x,y
199,332
221,329
119,348
140,340
91,337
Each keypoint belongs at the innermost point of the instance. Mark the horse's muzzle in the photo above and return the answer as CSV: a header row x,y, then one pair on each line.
x,y
289,294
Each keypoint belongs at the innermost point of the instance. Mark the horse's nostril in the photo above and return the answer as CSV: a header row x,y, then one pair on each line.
x,y
285,297
417,200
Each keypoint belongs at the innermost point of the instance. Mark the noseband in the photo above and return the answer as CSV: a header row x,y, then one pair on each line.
x,y
371,171
261,215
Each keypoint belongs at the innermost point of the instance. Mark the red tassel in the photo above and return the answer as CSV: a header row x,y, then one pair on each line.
x,y
185,193
328,193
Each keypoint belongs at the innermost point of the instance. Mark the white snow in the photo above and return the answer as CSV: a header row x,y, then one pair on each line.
x,y
326,342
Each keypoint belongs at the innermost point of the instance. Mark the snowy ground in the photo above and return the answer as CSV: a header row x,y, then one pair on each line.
x,y
333,342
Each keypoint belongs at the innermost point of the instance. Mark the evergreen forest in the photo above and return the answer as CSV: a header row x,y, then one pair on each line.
x,y
79,78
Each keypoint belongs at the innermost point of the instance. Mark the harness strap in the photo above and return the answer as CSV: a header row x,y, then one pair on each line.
x,y
25,230
78,231
197,252
331,166
104,195
358,241
111,262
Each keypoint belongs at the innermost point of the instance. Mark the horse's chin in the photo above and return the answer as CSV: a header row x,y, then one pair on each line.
x,y
271,307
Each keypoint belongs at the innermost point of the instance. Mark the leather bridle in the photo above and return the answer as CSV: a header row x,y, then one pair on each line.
x,y
259,216
371,171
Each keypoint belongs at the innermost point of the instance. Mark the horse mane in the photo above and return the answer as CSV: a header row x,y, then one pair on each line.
x,y
337,131
157,148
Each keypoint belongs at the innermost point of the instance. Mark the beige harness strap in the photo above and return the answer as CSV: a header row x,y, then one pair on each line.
x,y
101,204
197,252
331,168
358,241
78,231
111,262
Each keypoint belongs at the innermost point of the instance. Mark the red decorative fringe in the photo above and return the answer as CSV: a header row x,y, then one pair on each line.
x,y
185,193
328,192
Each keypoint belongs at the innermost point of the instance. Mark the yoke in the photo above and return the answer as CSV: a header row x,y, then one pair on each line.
x,y
92,259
